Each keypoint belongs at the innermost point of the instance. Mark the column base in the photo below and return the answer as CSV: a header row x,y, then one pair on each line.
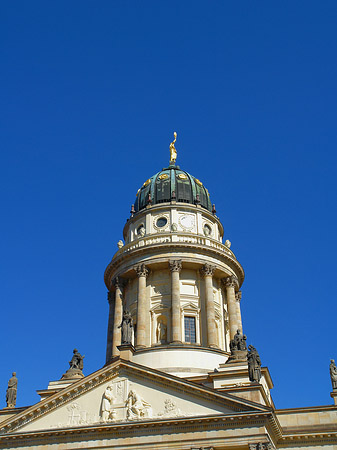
x,y
213,346
175,343
139,346
333,395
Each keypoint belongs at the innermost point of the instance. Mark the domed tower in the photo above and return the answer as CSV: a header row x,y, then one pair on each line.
x,y
174,275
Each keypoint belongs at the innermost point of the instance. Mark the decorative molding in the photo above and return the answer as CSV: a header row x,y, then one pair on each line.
x,y
141,270
238,296
207,270
197,243
175,265
261,446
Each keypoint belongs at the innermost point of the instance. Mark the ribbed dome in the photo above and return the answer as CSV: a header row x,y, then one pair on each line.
x,y
172,183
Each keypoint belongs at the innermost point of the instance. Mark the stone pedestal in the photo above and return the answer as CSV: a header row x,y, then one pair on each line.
x,y
333,395
126,351
238,357
72,374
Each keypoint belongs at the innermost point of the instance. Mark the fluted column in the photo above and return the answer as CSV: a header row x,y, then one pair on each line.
x,y
238,296
118,316
109,345
175,268
142,273
207,271
230,283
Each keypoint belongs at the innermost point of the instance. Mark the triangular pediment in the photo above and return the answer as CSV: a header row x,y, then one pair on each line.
x,y
125,392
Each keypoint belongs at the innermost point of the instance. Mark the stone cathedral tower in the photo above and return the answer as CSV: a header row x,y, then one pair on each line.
x,y
179,281
177,374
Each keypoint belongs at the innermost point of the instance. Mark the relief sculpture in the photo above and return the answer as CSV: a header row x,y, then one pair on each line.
x,y
107,411
137,408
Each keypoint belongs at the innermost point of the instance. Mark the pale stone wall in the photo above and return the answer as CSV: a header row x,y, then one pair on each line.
x,y
181,218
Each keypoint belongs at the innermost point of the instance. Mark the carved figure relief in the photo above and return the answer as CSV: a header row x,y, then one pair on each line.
x,y
137,408
107,411
77,416
170,409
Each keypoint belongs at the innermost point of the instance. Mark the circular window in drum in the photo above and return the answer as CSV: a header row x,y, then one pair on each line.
x,y
161,222
207,230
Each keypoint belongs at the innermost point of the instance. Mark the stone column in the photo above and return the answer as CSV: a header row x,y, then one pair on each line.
x,y
175,268
238,296
230,283
142,273
109,345
207,271
118,316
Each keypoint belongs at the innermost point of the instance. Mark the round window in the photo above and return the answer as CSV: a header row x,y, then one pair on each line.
x,y
207,230
161,222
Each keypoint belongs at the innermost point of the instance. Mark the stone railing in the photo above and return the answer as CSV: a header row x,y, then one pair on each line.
x,y
186,238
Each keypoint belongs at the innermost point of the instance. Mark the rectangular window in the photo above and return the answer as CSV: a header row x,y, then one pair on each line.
x,y
190,335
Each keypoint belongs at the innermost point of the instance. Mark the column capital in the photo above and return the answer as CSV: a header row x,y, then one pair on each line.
x,y
119,282
238,296
207,270
231,281
141,270
175,265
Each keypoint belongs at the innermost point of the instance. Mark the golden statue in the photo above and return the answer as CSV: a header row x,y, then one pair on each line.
x,y
173,150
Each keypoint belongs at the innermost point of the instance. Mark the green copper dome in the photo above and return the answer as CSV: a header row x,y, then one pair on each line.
x,y
171,184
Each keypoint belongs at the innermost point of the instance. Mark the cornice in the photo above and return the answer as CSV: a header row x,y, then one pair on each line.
x,y
317,438
119,260
144,427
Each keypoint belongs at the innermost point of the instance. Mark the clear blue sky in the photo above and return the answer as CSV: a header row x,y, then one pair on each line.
x,y
91,93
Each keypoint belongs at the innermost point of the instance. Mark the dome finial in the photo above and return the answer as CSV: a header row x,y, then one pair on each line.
x,y
173,151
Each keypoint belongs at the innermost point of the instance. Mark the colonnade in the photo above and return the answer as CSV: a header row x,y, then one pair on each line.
x,y
207,271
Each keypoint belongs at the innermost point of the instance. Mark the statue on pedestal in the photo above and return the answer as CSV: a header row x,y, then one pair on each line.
x,y
238,347
254,364
75,366
127,328
11,391
333,374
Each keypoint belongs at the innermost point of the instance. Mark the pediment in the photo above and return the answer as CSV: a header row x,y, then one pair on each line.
x,y
125,392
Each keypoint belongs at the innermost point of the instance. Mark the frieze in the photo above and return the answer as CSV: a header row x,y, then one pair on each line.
x,y
261,446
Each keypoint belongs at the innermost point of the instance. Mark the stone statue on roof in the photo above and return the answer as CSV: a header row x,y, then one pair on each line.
x,y
11,391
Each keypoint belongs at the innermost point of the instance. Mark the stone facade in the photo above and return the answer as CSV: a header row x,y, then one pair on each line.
x,y
176,385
